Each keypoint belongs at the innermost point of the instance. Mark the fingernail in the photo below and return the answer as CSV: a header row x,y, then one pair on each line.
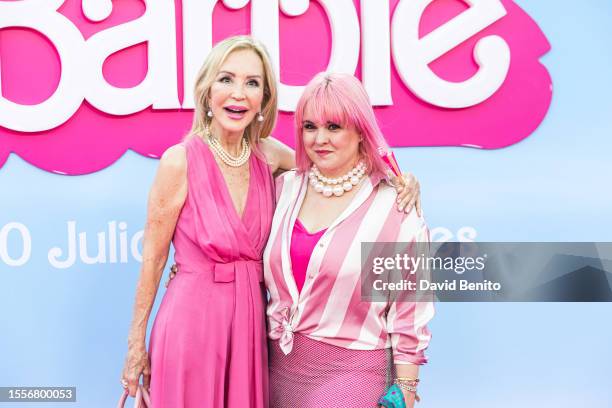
x,y
401,207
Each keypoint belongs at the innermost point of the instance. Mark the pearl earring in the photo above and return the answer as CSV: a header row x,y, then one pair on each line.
x,y
209,113
260,117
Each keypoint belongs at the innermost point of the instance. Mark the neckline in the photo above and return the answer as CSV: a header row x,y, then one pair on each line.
x,y
303,228
225,189
297,195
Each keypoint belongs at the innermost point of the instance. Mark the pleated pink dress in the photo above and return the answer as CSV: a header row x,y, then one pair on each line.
x,y
208,342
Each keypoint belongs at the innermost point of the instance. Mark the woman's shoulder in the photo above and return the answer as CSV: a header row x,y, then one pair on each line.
x,y
174,160
171,175
190,151
288,178
386,192
277,154
266,144
269,148
287,184
384,188
175,155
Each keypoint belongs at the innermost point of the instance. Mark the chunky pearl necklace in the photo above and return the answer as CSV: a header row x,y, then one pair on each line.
x,y
336,186
225,156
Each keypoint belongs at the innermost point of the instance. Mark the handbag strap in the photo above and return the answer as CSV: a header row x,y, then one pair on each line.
x,y
142,399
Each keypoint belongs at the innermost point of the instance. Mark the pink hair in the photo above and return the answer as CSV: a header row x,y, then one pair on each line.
x,y
341,99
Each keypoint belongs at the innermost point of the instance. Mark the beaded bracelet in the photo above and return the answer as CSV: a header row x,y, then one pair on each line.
x,y
404,379
408,385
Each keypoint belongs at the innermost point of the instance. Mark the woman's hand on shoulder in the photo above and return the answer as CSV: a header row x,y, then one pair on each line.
x,y
278,155
408,193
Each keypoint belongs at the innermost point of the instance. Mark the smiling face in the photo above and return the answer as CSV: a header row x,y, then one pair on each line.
x,y
237,92
336,127
333,148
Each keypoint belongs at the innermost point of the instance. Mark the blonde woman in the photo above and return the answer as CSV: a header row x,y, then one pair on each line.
x,y
214,200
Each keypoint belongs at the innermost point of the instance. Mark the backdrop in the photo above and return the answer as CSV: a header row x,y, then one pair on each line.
x,y
541,174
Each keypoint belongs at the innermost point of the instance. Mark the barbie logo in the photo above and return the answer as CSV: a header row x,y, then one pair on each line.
x,y
110,76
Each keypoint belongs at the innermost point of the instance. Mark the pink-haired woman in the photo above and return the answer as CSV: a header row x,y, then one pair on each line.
x,y
328,347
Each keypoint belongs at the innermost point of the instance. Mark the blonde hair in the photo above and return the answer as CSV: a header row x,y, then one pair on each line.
x,y
207,74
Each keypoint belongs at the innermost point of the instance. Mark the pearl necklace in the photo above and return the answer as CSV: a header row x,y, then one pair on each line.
x,y
336,186
225,156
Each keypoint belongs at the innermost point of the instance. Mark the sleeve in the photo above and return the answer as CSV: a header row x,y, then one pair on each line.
x,y
283,180
409,311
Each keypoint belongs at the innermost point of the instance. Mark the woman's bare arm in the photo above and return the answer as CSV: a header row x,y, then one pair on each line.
x,y
407,371
166,200
279,156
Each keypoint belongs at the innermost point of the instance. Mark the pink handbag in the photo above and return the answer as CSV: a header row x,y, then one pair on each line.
x,y
142,399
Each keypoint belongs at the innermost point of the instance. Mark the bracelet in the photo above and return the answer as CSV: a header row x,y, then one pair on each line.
x,y
407,384
406,379
406,387
410,382
403,385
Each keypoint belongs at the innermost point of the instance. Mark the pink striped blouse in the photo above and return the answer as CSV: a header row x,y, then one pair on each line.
x,y
329,307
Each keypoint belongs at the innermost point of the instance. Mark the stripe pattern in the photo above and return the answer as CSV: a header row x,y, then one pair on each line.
x,y
329,307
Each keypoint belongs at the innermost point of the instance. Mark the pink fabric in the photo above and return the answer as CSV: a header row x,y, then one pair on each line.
x,y
207,345
302,244
321,375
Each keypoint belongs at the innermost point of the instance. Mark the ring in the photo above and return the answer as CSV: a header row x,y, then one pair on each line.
x,y
124,383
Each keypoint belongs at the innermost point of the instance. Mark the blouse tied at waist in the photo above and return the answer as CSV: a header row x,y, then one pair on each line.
x,y
283,330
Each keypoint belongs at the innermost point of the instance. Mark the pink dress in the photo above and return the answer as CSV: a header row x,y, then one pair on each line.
x,y
207,345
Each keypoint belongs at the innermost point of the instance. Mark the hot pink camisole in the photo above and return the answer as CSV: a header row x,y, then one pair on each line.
x,y
302,245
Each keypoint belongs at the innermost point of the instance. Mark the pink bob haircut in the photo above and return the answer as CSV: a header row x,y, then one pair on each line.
x,y
341,99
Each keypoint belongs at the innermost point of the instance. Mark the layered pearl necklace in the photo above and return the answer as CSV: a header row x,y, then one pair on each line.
x,y
225,157
336,186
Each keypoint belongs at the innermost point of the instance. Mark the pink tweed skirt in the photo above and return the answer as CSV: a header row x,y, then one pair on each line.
x,y
317,374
